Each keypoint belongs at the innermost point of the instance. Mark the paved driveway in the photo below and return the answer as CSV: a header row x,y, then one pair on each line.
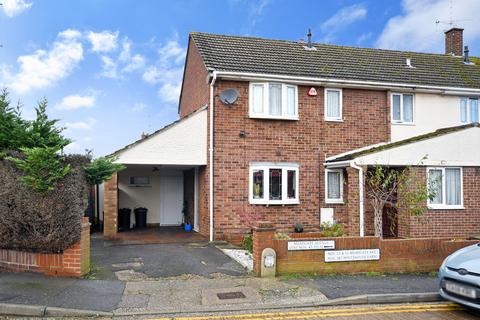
x,y
160,260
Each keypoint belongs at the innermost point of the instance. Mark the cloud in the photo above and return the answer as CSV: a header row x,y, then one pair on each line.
x,y
76,101
105,41
125,62
167,71
12,8
81,125
415,28
139,106
364,37
342,19
44,68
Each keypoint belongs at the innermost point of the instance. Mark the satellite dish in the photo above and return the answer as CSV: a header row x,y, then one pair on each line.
x,y
229,96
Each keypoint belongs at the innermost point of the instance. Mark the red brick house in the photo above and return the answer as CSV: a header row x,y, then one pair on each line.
x,y
308,120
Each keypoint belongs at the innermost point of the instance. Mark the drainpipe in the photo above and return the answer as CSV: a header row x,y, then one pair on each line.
x,y
210,150
361,196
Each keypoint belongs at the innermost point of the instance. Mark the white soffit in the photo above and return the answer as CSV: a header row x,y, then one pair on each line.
x,y
182,143
459,148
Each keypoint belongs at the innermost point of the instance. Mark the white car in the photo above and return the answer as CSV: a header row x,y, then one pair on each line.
x,y
460,276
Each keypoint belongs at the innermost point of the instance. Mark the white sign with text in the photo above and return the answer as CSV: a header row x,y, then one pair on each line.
x,y
352,255
311,245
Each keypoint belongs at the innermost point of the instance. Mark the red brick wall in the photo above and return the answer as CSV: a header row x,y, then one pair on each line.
x,y
396,255
73,262
195,89
110,207
460,223
307,142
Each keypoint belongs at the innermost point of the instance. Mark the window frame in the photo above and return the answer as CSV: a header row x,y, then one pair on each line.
x,y
402,121
444,205
133,178
334,200
266,99
326,117
285,167
468,111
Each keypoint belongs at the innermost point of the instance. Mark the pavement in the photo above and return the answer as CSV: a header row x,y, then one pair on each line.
x,y
139,280
339,286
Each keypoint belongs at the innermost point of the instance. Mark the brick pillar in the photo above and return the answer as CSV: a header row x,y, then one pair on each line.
x,y
110,207
85,245
353,199
263,237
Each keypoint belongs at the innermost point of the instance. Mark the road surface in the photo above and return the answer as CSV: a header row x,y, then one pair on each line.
x,y
442,311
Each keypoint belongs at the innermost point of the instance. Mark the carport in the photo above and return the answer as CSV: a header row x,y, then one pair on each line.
x,y
162,174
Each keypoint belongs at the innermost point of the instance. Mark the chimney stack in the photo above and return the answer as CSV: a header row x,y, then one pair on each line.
x,y
454,41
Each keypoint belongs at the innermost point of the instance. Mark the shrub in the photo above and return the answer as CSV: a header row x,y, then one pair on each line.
x,y
101,169
332,230
247,243
31,221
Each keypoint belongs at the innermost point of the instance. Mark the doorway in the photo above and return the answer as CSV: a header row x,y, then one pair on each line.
x,y
171,199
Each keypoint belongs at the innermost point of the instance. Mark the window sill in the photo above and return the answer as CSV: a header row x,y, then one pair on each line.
x,y
334,201
285,203
333,120
256,116
444,207
403,123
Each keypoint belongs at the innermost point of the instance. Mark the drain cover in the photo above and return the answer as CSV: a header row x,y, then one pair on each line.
x,y
231,295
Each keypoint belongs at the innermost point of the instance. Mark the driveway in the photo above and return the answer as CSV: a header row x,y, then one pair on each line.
x,y
137,262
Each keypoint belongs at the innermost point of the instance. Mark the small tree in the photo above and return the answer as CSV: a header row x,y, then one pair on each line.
x,y
101,169
384,184
13,129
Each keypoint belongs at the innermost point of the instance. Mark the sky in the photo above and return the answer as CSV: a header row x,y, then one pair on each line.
x,y
112,69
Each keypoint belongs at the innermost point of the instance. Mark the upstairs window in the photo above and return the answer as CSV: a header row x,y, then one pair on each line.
x,y
333,104
334,186
402,108
469,110
273,100
446,184
274,184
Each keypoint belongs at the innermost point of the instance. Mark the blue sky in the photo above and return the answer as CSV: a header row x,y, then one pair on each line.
x,y
111,69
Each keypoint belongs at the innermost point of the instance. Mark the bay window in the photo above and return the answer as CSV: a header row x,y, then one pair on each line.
x,y
469,110
273,183
402,108
446,186
273,100
334,186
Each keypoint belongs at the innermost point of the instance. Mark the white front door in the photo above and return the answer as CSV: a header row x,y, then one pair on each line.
x,y
171,200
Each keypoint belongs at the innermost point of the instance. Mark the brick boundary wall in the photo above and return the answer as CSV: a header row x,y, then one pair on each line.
x,y
396,255
73,262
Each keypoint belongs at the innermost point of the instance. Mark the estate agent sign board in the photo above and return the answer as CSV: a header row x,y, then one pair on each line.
x,y
352,255
311,245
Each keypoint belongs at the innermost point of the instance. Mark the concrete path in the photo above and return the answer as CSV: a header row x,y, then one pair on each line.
x,y
136,262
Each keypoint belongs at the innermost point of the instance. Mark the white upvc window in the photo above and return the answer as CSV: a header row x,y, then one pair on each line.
x,y
447,186
273,100
402,108
334,186
273,183
469,110
333,104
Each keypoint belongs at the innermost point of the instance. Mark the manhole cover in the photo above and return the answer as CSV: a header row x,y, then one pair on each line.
x,y
231,295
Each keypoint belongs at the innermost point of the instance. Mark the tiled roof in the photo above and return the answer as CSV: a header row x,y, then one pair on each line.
x,y
385,146
279,57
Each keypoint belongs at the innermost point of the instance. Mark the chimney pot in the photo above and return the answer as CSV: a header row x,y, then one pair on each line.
x,y
454,41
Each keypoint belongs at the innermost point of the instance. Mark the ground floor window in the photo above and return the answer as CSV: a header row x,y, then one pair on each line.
x,y
334,185
446,184
275,183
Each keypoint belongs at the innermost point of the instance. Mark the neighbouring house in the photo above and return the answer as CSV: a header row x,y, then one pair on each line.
x,y
284,131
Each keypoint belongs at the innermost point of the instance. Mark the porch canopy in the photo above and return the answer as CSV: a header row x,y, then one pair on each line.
x,y
454,146
161,174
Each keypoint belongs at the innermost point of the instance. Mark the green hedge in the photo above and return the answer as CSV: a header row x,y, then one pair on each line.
x,y
31,221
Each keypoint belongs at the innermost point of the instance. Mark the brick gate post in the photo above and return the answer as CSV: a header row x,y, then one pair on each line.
x,y
263,237
110,207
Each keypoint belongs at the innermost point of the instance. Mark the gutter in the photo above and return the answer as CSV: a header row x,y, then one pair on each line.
x,y
361,192
210,150
343,82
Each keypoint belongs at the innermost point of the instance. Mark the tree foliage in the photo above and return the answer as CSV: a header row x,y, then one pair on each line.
x,y
397,188
101,169
13,129
42,167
